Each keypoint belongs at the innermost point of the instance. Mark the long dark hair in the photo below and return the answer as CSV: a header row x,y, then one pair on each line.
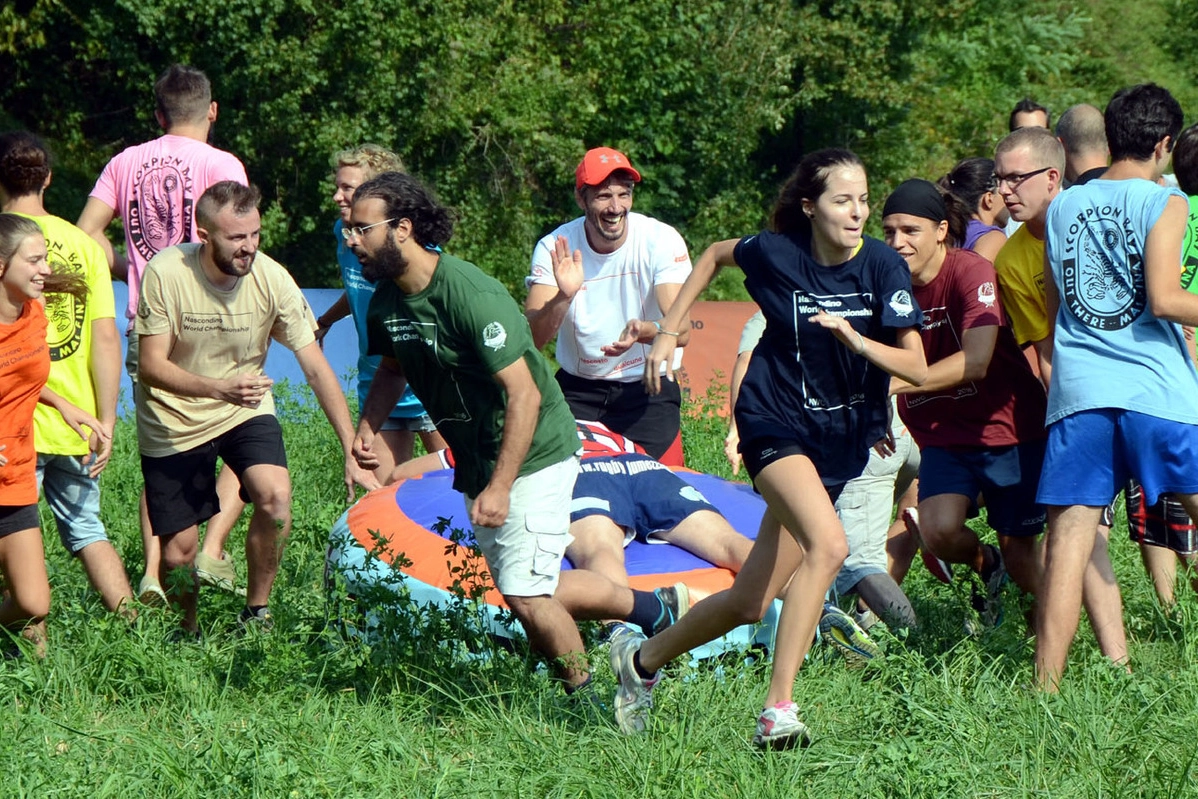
x,y
969,180
807,182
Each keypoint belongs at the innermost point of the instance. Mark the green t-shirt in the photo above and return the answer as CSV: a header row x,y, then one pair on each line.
x,y
1189,250
451,339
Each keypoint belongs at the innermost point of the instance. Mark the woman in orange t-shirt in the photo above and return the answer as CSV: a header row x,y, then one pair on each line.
x,y
24,367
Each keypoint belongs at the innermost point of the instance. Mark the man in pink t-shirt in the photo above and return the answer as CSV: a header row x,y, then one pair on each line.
x,y
153,188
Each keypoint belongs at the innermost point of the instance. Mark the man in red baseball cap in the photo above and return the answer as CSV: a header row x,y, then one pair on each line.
x,y
601,283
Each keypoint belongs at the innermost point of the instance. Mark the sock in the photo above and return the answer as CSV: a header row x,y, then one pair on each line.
x,y
639,669
646,610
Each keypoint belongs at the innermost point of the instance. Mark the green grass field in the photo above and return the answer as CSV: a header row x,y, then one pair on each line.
x,y
303,712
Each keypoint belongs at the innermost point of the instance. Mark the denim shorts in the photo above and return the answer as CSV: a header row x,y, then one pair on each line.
x,y
74,499
412,424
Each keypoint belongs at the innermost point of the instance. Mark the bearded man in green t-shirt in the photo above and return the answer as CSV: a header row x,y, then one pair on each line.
x,y
462,342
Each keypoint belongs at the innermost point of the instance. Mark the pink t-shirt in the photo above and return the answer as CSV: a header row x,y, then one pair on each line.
x,y
1003,408
153,187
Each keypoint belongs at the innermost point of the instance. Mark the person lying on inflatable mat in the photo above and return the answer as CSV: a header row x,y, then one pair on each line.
x,y
621,493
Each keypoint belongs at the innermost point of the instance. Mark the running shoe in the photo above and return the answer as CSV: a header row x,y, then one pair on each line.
x,y
634,694
866,619
259,619
988,602
778,727
939,569
218,572
150,593
675,602
846,636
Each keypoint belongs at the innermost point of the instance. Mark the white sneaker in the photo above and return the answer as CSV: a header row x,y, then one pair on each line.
x,y
778,727
634,697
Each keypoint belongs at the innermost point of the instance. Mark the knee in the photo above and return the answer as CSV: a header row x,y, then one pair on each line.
x,y
275,501
178,553
32,605
828,553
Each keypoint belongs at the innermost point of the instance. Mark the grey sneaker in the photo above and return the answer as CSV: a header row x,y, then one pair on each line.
x,y
988,604
778,727
150,593
676,601
259,620
218,573
634,697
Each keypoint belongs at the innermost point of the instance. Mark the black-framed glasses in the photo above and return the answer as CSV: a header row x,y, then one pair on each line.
x,y
1016,180
348,233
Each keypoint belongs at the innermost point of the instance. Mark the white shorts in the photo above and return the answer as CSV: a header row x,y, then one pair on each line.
x,y
525,554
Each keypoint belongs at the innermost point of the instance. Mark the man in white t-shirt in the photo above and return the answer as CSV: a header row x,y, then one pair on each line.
x,y
601,283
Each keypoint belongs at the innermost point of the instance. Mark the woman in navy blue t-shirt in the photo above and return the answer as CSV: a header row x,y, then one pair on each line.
x,y
840,319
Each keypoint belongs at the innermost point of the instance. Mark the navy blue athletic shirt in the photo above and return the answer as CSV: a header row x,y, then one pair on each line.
x,y
804,385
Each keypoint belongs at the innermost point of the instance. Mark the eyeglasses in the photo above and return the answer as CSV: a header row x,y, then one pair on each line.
x,y
1016,180
348,233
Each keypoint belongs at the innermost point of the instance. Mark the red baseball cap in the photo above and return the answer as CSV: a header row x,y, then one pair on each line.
x,y
598,164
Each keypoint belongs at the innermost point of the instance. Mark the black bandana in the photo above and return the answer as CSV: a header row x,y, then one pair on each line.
x,y
917,198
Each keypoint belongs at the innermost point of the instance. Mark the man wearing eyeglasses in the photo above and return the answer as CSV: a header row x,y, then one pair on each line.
x,y
206,315
1029,165
457,336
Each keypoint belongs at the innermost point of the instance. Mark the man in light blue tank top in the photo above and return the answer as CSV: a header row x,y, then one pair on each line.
x,y
1123,400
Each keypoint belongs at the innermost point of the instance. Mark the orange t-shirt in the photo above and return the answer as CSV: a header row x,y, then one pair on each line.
x,y
24,367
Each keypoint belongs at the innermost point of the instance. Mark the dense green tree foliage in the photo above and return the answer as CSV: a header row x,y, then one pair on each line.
x,y
494,103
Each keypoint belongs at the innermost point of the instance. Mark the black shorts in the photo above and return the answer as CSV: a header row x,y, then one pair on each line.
x,y
653,421
181,488
15,518
761,452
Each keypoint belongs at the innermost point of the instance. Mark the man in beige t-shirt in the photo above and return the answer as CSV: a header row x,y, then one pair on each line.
x,y
205,318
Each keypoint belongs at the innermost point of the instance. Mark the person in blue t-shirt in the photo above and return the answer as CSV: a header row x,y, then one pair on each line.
x,y
396,441
840,320
1123,398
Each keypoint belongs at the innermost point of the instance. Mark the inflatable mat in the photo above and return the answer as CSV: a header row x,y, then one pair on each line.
x,y
399,536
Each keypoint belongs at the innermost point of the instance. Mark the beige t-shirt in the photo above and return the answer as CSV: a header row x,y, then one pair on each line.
x,y
217,334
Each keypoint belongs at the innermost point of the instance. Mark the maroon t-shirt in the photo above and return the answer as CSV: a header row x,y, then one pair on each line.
x,y
1005,407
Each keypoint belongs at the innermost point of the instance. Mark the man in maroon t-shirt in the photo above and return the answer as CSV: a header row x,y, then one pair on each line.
x,y
979,418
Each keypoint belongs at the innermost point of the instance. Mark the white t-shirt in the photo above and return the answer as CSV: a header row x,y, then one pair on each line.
x,y
616,287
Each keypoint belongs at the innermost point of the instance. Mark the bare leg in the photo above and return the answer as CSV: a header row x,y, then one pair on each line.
x,y
942,526
433,441
1069,544
813,554
598,547
1102,600
901,543
1161,565
269,488
587,595
151,546
228,492
709,536
23,564
1024,557
106,572
177,572
553,633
